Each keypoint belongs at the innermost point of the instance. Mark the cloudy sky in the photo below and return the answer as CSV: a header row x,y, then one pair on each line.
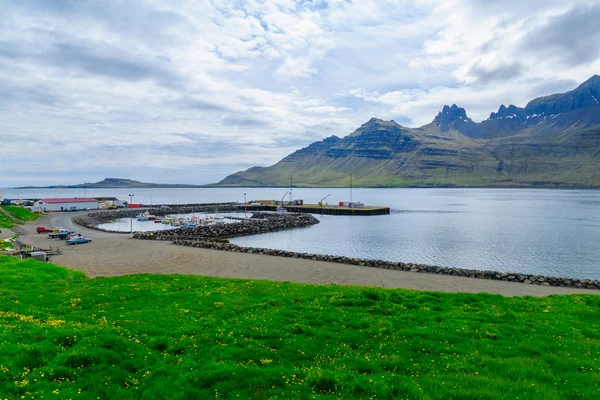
x,y
191,91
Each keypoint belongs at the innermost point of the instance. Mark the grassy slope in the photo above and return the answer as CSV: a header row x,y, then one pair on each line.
x,y
20,213
6,221
185,337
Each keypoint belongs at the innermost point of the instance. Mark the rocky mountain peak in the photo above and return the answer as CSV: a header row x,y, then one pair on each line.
x,y
376,125
585,95
451,115
509,112
594,80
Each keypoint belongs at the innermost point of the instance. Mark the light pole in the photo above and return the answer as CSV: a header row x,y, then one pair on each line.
x,y
131,218
245,205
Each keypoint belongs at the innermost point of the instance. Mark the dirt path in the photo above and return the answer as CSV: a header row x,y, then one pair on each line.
x,y
114,254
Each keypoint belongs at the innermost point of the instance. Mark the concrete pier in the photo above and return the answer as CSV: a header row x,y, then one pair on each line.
x,y
324,210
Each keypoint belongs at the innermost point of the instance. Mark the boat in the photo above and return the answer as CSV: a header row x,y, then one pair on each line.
x,y
143,216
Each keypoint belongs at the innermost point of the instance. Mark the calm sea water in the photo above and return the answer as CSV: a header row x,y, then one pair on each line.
x,y
551,232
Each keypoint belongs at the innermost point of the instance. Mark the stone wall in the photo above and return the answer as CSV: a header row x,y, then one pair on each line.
x,y
418,268
259,223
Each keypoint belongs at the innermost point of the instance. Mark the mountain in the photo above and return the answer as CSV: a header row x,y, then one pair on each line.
x,y
554,141
114,183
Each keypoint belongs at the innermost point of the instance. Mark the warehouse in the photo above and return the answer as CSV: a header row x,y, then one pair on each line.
x,y
66,204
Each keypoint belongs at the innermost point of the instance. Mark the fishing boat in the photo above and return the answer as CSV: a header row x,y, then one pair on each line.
x,y
143,216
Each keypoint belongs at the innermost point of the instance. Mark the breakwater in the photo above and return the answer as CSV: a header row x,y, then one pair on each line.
x,y
542,280
92,220
259,223
325,210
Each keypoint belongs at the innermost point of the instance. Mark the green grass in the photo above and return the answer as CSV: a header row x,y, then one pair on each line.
x,y
21,213
182,337
6,221
6,245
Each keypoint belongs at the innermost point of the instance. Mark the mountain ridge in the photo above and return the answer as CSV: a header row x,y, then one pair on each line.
x,y
554,141
114,183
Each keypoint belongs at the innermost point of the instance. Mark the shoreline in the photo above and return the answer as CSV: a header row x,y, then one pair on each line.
x,y
216,240
116,255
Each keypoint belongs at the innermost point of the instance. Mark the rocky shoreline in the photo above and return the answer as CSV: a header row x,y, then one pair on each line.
x,y
224,245
215,237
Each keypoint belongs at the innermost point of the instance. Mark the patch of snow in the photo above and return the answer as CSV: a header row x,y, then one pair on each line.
x,y
554,115
596,100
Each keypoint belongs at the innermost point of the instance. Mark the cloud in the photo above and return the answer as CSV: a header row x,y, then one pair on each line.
x,y
196,103
191,91
245,122
499,72
571,38
326,109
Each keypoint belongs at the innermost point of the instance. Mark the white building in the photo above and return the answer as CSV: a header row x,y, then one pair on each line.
x,y
66,204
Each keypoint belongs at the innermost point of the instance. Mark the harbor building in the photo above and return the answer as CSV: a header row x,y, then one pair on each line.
x,y
66,204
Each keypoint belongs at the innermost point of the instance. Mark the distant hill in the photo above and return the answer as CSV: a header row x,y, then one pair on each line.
x,y
554,141
115,183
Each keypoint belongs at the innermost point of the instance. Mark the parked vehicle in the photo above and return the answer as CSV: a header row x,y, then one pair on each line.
x,y
61,234
78,240
42,229
74,235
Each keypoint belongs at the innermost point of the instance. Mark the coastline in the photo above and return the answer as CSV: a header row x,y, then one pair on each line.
x,y
115,255
217,239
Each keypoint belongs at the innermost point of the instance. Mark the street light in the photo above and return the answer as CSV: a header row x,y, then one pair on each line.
x,y
131,219
245,205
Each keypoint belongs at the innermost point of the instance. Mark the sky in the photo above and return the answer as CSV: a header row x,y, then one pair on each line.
x,y
192,91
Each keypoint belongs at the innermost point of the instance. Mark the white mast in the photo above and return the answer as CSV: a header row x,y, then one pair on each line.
x,y
290,190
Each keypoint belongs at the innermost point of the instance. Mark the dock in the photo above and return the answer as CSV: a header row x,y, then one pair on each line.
x,y
323,210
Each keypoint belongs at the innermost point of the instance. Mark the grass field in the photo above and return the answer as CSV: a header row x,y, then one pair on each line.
x,y
6,221
179,337
20,213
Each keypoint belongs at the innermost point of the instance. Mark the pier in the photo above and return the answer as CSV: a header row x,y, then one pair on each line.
x,y
321,209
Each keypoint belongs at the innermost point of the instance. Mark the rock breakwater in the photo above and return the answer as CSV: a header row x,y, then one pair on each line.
x,y
259,223
400,266
92,220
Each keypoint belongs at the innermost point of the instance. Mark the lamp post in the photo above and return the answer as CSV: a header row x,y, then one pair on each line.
x,y
131,219
245,205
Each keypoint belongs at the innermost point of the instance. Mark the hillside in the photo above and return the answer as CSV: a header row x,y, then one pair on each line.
x,y
554,141
193,337
112,183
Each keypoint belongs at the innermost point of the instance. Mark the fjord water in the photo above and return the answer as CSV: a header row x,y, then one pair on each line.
x,y
541,231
